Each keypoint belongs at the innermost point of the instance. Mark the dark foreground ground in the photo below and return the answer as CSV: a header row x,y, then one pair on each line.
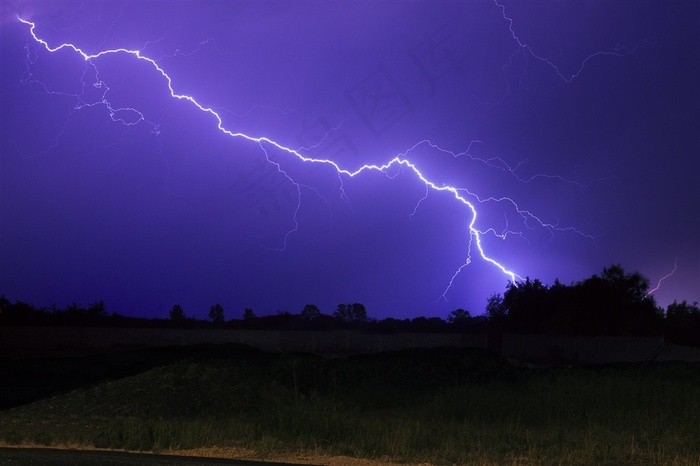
x,y
55,457
26,379
438,406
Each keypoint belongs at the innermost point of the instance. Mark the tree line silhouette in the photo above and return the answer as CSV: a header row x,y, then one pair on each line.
x,y
614,303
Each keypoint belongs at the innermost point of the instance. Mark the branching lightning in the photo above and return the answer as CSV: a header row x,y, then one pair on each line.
x,y
618,51
401,162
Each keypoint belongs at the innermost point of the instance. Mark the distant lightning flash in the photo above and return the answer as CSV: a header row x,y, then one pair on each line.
x,y
401,161
668,275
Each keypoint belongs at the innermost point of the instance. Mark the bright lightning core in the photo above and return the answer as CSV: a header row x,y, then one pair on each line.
x,y
518,221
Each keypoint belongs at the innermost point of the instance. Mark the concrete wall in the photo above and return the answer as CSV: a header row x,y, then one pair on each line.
x,y
572,349
593,350
678,353
324,342
545,349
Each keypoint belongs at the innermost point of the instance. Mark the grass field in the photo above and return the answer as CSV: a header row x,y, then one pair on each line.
x,y
442,406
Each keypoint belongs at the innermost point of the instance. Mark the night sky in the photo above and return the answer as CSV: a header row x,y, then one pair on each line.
x,y
571,127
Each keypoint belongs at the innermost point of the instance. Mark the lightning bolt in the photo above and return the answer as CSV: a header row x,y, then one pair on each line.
x,y
618,51
130,116
668,275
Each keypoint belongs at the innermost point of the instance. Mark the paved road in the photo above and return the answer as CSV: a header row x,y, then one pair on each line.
x,y
52,457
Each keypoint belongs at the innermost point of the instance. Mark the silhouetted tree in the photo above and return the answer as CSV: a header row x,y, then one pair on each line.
x,y
4,303
682,323
20,313
74,311
495,308
216,313
683,312
310,312
391,325
355,312
617,303
248,314
526,304
177,314
97,309
343,312
359,312
614,303
427,324
458,316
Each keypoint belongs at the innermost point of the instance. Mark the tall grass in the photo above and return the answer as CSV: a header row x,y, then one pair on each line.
x,y
454,410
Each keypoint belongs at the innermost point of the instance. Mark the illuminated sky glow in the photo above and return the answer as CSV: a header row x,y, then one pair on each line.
x,y
269,155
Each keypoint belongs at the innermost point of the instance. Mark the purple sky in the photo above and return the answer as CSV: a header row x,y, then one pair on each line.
x,y
570,127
